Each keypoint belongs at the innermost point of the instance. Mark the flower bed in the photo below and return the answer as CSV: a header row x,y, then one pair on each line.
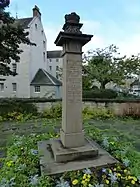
x,y
21,166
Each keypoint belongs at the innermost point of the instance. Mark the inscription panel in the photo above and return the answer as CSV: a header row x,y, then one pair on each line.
x,y
74,82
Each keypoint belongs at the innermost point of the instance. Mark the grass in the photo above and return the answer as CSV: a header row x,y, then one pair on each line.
x,y
21,163
129,129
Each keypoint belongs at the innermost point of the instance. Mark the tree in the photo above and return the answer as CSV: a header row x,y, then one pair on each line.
x,y
11,36
106,65
86,83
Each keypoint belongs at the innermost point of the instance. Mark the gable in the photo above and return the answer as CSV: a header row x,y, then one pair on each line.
x,y
24,22
42,77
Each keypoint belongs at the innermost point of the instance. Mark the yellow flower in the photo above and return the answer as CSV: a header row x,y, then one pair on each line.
x,y
125,171
87,180
110,171
135,179
88,176
90,185
83,182
107,181
85,176
10,163
133,182
130,177
115,169
118,174
75,181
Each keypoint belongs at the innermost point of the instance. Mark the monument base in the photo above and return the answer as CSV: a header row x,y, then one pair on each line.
x,y
54,158
72,139
62,154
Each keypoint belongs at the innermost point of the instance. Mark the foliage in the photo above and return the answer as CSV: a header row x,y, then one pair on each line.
x,y
100,93
11,36
17,111
21,166
55,111
106,65
116,146
97,113
86,83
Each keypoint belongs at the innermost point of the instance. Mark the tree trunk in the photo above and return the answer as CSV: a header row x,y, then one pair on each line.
x,y
102,85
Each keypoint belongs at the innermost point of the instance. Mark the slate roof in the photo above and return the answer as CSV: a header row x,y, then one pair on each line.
x,y
24,22
42,77
54,54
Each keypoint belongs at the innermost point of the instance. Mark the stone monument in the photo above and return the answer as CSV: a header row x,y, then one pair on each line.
x,y
72,150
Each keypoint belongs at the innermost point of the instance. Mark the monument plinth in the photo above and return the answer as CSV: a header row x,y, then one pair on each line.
x,y
72,151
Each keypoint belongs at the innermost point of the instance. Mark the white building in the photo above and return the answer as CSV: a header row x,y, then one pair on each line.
x,y
33,65
54,63
135,88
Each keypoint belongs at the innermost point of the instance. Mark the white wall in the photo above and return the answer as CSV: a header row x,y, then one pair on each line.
x,y
53,63
30,61
22,79
37,59
45,91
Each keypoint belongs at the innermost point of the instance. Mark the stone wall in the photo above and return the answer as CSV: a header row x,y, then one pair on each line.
x,y
118,108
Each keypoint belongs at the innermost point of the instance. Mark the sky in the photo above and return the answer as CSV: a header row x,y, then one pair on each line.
x,y
110,21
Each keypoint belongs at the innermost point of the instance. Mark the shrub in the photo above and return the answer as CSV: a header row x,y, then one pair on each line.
x,y
54,112
97,113
98,93
10,108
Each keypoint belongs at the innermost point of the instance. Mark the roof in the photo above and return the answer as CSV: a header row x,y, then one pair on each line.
x,y
24,22
135,83
54,54
42,77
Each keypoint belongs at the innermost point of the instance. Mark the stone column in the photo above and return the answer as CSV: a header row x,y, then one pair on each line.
x,y
71,151
72,40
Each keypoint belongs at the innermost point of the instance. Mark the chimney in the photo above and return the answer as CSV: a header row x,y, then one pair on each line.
x,y
36,12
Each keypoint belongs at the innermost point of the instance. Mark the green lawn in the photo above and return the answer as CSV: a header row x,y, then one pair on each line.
x,y
129,129
115,135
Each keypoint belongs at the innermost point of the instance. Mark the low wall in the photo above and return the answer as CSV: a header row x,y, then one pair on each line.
x,y
118,107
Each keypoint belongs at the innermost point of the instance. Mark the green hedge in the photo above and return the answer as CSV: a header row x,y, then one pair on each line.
x,y
105,94
19,107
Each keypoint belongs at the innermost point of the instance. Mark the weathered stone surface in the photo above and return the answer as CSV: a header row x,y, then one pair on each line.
x,y
62,154
49,166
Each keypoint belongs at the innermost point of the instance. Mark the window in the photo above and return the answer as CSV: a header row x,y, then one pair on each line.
x,y
36,26
14,85
37,89
50,68
42,32
57,76
50,60
14,66
44,44
57,60
1,87
44,56
57,68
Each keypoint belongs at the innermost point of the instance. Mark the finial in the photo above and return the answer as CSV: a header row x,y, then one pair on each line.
x,y
72,24
72,18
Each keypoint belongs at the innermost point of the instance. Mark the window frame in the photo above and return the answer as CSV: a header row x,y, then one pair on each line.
x,y
36,89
